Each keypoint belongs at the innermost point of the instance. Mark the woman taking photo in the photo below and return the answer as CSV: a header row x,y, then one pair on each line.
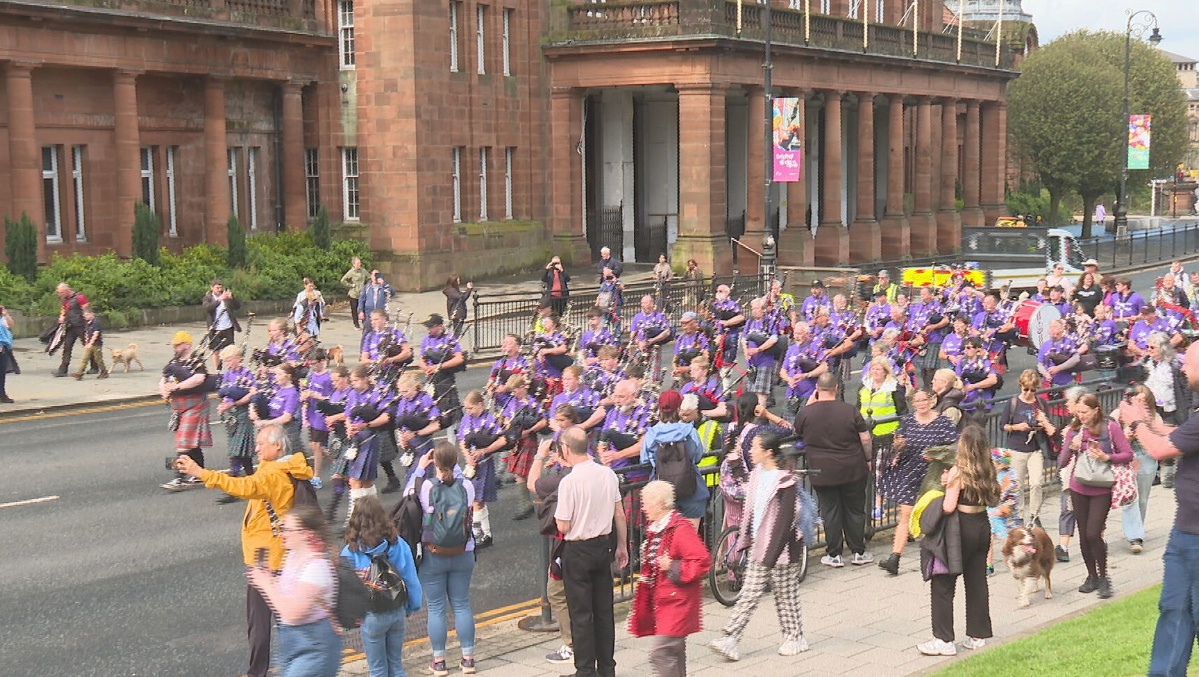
x,y
371,535
1025,423
970,487
1133,515
309,310
302,595
1096,444
770,531
924,427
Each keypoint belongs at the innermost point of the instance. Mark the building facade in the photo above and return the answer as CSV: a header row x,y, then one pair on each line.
x,y
475,137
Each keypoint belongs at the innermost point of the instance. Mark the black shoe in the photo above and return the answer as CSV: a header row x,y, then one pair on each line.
x,y
226,499
392,486
94,370
1089,585
1105,588
1062,554
890,565
6,399
485,542
60,373
523,514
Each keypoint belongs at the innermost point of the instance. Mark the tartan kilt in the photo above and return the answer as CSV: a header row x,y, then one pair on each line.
x,y
761,379
240,432
337,445
520,459
193,430
932,357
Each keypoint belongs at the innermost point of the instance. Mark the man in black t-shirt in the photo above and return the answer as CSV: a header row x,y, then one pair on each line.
x,y
1176,626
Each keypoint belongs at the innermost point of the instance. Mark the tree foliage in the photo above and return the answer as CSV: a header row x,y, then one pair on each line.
x,y
237,243
321,235
1065,113
145,234
20,246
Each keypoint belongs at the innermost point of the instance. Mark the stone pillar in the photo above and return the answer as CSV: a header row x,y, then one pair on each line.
x,y
949,223
897,234
295,208
832,238
795,246
972,213
128,155
24,156
702,178
994,160
865,236
756,223
924,225
216,163
566,179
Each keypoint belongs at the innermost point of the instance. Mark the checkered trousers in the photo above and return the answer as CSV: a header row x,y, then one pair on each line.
x,y
784,580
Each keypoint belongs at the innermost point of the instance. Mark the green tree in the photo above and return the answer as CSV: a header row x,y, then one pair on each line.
x,y
1066,114
237,243
145,234
320,229
20,246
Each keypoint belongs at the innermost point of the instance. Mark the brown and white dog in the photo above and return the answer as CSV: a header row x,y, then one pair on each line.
x,y
1028,554
336,355
126,355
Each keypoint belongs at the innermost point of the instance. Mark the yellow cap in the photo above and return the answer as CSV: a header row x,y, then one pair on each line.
x,y
181,337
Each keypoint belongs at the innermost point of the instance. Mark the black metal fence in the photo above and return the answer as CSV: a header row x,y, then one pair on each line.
x,y
497,315
1141,247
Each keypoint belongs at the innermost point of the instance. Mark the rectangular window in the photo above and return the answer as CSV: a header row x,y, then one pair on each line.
x,y
345,32
880,6
481,38
50,194
454,13
457,169
148,176
312,181
172,205
77,190
233,182
349,183
826,6
509,157
507,50
483,183
854,8
252,186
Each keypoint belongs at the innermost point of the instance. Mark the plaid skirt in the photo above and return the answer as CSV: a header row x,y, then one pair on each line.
x,y
240,432
193,430
761,379
365,466
520,459
932,357
337,446
485,482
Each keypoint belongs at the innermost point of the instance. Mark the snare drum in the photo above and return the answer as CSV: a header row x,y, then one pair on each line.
x,y
1032,320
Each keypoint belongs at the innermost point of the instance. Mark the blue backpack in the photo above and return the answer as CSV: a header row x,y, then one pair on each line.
x,y
447,528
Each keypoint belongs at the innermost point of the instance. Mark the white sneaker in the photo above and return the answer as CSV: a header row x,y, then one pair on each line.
x,y
174,485
860,559
563,655
935,647
725,646
794,647
316,483
972,643
833,561
193,482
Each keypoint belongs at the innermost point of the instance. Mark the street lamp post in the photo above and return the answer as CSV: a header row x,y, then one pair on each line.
x,y
768,223
1138,23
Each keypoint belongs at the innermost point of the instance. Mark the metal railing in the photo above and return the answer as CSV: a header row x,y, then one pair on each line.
x,y
1142,247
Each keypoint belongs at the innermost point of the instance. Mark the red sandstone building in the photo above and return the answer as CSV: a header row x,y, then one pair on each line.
x,y
461,136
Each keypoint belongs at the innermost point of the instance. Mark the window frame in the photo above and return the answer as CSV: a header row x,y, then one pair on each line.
x,y
456,176
351,195
481,39
54,210
252,187
483,153
77,189
506,49
172,184
509,180
346,40
455,38
146,166
312,181
234,202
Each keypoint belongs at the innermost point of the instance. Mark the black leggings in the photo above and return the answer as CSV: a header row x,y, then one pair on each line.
x,y
1091,514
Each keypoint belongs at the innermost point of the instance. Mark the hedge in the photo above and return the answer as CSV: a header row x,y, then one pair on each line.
x,y
275,266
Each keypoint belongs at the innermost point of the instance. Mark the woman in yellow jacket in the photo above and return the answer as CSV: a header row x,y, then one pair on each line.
x,y
883,398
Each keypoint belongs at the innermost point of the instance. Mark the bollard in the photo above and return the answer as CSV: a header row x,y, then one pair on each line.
x,y
543,622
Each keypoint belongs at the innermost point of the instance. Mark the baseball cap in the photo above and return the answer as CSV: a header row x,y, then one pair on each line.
x,y
670,400
817,284
434,320
181,337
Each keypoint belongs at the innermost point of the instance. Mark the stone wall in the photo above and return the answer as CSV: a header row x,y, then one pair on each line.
x,y
476,250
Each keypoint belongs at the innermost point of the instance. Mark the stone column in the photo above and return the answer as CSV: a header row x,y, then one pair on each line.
x,y
924,225
756,223
897,234
295,208
216,163
865,236
128,155
949,223
994,160
795,243
566,179
24,156
832,238
702,178
972,214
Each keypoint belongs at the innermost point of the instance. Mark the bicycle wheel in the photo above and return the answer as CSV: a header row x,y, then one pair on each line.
x,y
803,562
728,567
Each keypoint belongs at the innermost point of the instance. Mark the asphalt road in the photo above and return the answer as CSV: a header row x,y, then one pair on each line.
x,y
116,577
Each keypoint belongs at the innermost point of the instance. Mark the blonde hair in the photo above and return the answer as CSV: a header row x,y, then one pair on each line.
x,y
516,381
885,364
407,380
949,375
472,398
230,351
659,492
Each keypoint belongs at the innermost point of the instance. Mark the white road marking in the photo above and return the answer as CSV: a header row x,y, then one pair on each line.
x,y
43,499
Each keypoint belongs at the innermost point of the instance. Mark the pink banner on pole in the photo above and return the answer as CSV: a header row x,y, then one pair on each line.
x,y
788,139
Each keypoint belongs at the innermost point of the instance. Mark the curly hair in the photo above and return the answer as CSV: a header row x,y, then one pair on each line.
x,y
369,525
979,483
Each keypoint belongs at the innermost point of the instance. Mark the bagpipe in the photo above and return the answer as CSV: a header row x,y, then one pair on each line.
x,y
652,331
757,338
684,357
614,439
178,371
522,420
263,357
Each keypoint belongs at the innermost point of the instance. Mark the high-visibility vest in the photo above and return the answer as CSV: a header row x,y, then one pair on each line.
x,y
876,405
892,292
709,434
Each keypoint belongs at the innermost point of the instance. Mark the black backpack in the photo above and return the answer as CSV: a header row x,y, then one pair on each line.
x,y
388,590
409,516
675,466
353,595
303,493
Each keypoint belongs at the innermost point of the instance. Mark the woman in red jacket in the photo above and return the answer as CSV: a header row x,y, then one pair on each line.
x,y
668,603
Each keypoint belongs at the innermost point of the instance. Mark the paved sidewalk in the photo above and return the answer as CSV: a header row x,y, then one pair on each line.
x,y
858,620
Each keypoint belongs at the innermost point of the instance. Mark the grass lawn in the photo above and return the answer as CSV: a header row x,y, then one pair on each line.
x,y
1111,640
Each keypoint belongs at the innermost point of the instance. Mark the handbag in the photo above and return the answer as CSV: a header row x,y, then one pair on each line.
x,y
1124,491
1092,473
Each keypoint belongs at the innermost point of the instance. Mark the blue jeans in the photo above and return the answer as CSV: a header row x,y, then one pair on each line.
x,y
445,578
1133,516
309,650
383,642
1178,622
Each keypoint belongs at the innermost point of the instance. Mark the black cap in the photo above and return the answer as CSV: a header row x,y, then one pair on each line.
x,y
817,284
434,320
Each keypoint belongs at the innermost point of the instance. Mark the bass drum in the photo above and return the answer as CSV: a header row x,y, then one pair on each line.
x,y
1032,320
